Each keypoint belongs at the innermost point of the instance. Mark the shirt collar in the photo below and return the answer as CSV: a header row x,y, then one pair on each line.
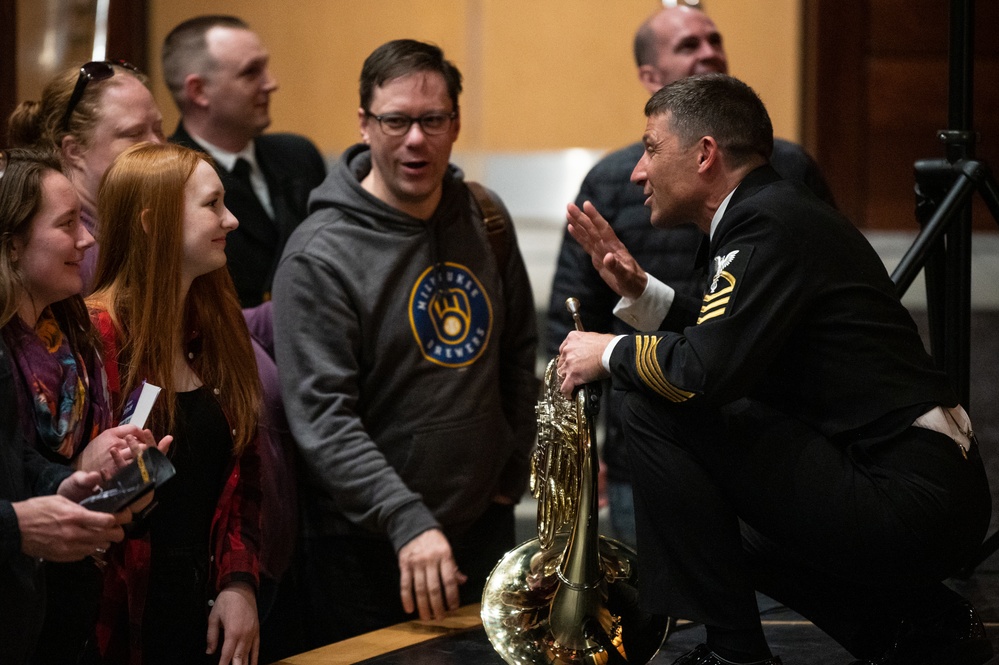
x,y
226,159
716,219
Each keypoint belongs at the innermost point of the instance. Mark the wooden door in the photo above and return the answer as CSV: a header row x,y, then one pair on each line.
x,y
876,92
127,40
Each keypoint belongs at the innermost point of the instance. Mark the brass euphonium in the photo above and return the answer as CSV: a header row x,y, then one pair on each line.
x,y
568,596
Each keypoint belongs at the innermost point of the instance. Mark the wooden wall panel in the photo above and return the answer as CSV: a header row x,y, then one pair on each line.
x,y
877,82
41,39
127,32
835,76
8,63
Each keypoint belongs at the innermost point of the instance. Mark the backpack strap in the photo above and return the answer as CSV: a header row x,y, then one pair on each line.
x,y
496,221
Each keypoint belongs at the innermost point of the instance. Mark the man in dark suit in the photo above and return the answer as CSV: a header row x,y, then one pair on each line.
x,y
790,435
217,71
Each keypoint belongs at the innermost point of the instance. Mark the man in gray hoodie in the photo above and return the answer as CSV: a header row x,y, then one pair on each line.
x,y
406,345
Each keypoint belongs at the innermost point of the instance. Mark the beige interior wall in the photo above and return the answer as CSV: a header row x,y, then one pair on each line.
x,y
539,74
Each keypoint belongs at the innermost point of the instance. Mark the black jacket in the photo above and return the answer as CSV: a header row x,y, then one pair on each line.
x,y
798,313
667,254
23,473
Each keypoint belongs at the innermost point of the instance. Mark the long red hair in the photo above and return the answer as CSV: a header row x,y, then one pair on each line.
x,y
138,281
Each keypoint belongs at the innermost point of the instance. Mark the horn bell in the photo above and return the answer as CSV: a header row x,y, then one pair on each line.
x,y
567,597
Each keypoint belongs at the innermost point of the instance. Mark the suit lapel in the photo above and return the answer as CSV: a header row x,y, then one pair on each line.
x,y
281,188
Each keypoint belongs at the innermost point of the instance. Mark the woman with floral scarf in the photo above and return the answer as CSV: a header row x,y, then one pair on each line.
x,y
61,388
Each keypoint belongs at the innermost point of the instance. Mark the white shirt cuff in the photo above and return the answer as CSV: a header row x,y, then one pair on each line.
x,y
605,358
646,312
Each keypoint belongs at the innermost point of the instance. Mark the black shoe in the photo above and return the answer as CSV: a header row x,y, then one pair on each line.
x,y
955,637
642,633
704,656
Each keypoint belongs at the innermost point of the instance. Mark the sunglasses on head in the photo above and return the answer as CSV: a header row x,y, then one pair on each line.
x,y
96,70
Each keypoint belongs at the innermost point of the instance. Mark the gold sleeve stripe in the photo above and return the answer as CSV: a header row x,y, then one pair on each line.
x,y
720,304
712,315
711,312
651,373
708,297
715,303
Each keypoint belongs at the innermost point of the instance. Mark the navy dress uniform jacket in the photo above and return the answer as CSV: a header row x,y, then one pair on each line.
x,y
770,430
799,313
667,255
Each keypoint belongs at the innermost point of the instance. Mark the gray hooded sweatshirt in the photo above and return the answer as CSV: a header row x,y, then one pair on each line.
x,y
407,360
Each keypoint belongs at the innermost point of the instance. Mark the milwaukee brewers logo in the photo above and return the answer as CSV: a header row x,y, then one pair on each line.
x,y
451,321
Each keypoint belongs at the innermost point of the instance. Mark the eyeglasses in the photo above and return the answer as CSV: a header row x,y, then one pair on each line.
x,y
398,124
96,70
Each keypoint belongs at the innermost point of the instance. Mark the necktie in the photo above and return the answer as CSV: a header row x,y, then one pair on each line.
x,y
241,171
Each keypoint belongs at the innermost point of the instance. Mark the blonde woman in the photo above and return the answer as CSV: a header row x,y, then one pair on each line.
x,y
88,115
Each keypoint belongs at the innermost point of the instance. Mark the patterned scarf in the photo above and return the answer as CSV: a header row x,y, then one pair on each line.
x,y
63,404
